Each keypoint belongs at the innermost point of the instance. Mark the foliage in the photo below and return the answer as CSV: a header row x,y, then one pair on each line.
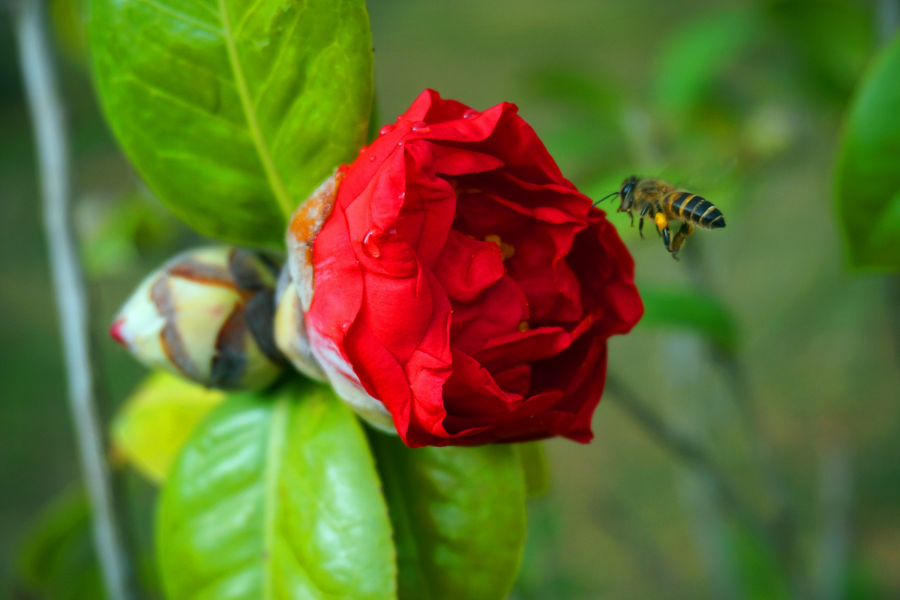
x,y
234,111
535,468
57,556
458,516
693,311
694,55
694,81
868,171
833,38
155,422
276,496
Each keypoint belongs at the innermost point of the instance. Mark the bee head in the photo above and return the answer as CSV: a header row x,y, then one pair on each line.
x,y
625,197
625,193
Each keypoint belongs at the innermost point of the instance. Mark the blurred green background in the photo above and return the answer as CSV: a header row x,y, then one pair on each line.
x,y
787,375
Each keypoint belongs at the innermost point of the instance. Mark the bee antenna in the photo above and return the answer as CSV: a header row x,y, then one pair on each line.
x,y
605,197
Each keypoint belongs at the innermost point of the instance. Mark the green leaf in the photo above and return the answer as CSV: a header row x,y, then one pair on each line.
x,y
157,420
234,110
276,497
534,467
458,515
692,311
57,557
696,54
867,184
833,38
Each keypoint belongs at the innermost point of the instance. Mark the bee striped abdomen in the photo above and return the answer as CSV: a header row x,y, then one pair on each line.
x,y
696,209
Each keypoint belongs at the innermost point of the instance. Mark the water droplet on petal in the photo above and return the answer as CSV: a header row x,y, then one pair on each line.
x,y
346,326
371,159
386,130
470,114
421,127
370,244
362,150
401,195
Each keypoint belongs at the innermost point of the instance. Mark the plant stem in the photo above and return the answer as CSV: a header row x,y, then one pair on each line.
x,y
887,20
835,541
685,448
780,524
45,106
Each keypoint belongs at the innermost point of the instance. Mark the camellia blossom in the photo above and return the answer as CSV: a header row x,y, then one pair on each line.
x,y
452,285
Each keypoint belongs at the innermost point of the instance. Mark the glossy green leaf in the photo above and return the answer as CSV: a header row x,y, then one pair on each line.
x,y
57,557
458,515
696,53
868,171
276,497
234,110
534,467
156,421
691,311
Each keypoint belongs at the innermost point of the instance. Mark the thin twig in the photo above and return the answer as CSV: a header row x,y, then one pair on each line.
x,y
685,448
887,20
836,497
780,525
48,121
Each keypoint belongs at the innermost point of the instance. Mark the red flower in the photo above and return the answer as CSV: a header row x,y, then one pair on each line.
x,y
462,282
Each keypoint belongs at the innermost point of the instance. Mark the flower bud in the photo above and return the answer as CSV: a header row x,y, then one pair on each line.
x,y
290,329
308,351
206,315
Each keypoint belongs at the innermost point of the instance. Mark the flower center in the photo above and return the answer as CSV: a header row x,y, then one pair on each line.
x,y
506,250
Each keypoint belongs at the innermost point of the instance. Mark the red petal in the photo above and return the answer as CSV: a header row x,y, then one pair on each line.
x,y
496,313
467,267
338,280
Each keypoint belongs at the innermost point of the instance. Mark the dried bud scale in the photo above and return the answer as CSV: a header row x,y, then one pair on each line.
x,y
206,315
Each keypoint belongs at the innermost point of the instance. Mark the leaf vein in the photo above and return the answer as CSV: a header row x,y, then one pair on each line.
x,y
278,189
247,15
177,100
272,475
277,139
277,64
182,16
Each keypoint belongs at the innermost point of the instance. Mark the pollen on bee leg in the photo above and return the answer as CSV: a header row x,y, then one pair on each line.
x,y
506,250
661,221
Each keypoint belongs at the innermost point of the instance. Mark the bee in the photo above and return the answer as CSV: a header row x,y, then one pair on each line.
x,y
663,202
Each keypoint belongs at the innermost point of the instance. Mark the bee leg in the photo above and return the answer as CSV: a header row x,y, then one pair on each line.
x,y
631,214
641,225
668,240
684,231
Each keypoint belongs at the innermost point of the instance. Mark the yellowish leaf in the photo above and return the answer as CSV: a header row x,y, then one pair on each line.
x,y
156,421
